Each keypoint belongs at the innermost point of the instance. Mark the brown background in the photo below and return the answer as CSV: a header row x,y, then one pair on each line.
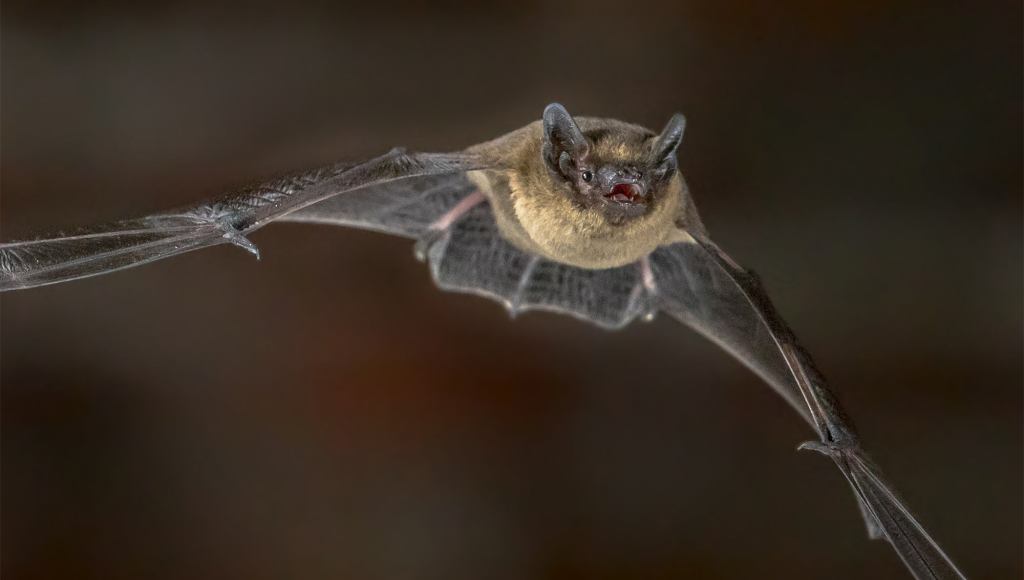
x,y
326,413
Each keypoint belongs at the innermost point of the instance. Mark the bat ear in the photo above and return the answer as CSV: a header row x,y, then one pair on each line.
x,y
565,146
670,138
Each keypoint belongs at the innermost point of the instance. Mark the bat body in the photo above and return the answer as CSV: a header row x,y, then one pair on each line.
x,y
586,217
536,210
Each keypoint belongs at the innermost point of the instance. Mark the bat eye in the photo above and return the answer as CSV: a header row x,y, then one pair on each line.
x,y
586,175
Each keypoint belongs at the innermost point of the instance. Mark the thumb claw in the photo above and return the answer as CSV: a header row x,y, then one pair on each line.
x,y
823,448
236,238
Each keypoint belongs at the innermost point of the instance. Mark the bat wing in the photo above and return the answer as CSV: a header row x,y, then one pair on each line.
x,y
468,254
697,283
398,193
406,207
471,256
429,197
423,196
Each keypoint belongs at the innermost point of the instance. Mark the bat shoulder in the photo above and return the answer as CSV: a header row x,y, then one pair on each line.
x,y
510,149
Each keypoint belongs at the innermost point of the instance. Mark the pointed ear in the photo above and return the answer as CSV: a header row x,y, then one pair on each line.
x,y
564,146
670,138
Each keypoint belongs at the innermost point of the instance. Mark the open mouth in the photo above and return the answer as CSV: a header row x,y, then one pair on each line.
x,y
626,193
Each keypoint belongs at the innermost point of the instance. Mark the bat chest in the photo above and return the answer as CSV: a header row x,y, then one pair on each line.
x,y
549,224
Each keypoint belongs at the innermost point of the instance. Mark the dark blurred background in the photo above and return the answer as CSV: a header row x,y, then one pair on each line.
x,y
327,413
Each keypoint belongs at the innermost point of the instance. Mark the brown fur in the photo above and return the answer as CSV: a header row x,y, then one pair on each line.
x,y
536,213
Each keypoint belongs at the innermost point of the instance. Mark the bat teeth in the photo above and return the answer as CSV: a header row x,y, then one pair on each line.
x,y
625,193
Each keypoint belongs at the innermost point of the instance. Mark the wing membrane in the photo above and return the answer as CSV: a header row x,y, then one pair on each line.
x,y
701,286
403,208
697,291
422,196
473,257
919,552
104,249
120,245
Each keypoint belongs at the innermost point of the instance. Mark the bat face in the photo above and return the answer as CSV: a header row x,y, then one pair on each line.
x,y
617,171
598,194
616,179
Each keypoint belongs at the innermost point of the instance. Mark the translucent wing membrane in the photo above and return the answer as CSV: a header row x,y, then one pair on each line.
x,y
473,257
403,208
919,552
106,248
702,287
470,255
428,197
693,288
103,249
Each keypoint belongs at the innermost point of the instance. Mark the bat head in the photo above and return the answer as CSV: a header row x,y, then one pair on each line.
x,y
618,173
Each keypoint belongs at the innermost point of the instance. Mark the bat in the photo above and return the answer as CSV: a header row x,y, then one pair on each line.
x,y
582,216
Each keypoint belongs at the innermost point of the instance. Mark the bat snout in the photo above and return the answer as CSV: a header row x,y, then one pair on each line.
x,y
626,193
622,185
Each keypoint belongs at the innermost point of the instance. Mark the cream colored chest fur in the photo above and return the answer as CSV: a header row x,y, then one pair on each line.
x,y
547,223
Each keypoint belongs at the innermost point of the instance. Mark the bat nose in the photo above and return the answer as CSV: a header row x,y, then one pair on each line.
x,y
612,175
623,175
623,184
630,173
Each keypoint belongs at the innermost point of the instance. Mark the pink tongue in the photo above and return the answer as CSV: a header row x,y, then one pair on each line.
x,y
623,192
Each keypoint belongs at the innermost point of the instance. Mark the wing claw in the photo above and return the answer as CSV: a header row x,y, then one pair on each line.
x,y
235,237
704,288
342,188
818,446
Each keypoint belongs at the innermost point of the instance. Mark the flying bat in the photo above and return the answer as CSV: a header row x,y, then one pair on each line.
x,y
587,217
